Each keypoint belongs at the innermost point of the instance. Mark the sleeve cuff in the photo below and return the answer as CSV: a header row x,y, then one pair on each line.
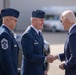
x,y
45,59
58,57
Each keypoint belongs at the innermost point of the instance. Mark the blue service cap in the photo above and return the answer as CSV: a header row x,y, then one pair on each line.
x,y
38,13
10,12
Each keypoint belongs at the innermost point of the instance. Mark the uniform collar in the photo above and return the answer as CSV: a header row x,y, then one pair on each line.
x,y
37,31
5,27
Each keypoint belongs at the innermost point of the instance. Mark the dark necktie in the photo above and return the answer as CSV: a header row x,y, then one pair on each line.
x,y
39,33
40,36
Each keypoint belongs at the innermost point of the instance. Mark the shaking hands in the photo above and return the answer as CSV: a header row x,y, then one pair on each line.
x,y
51,58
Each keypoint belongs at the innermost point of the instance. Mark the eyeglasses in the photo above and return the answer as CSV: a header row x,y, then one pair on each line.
x,y
61,21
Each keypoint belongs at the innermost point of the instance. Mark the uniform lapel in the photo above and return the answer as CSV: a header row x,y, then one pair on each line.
x,y
41,38
36,36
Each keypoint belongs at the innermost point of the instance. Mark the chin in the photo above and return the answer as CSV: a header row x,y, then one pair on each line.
x,y
12,28
40,29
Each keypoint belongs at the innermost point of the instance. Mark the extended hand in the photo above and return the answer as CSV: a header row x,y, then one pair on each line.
x,y
55,57
49,58
45,73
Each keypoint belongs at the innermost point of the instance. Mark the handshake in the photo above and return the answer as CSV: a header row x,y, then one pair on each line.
x,y
51,58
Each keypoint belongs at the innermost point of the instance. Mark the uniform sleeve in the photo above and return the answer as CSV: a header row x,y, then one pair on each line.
x,y
27,47
5,54
72,47
61,56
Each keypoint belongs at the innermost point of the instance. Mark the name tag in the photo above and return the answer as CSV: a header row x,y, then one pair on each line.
x,y
36,43
15,45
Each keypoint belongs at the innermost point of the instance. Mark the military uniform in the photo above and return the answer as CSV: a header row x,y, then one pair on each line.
x,y
8,52
32,46
8,46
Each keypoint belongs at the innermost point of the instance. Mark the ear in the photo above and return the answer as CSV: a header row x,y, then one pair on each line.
x,y
66,20
33,20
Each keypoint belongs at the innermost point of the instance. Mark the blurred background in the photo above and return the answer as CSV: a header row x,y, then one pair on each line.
x,y
53,30
53,9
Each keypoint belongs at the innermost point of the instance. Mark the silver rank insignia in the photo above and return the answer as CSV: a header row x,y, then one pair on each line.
x,y
4,43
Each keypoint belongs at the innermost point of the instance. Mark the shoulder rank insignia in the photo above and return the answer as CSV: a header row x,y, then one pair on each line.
x,y
4,43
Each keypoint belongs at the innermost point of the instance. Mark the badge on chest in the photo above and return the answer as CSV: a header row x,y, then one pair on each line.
x,y
36,42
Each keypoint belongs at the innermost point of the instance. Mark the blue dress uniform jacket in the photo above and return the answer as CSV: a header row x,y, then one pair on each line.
x,y
33,57
8,52
69,54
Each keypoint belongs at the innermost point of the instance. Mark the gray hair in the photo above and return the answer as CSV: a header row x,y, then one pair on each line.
x,y
68,14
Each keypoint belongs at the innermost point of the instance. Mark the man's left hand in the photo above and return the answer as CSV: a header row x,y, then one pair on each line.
x,y
45,73
61,66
